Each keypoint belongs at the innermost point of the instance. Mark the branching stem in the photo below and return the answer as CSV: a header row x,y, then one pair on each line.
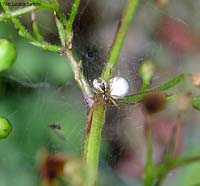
x,y
5,16
96,116
93,134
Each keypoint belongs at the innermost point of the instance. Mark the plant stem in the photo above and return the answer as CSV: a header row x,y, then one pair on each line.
x,y
144,86
148,175
65,33
47,46
170,150
35,28
78,75
163,169
47,5
5,16
22,30
133,99
186,161
24,33
119,39
53,6
149,143
71,19
96,119
96,115
61,30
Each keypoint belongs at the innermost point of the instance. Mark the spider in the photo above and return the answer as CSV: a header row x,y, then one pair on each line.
x,y
102,87
115,89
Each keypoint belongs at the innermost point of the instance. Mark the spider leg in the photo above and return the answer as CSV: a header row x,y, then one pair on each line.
x,y
114,103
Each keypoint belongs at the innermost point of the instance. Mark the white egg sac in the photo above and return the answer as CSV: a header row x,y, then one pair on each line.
x,y
118,87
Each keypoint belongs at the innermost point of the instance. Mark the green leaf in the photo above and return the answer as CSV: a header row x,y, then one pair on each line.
x,y
36,31
7,54
171,83
146,70
196,102
61,30
5,127
132,99
135,98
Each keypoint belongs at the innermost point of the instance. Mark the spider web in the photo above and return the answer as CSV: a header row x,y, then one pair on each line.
x,y
34,101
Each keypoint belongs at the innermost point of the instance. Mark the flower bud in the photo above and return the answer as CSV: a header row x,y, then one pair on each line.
x,y
154,102
161,2
195,79
5,127
7,54
147,70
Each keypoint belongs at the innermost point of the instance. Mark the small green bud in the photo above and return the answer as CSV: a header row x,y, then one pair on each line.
x,y
196,102
5,127
147,70
7,54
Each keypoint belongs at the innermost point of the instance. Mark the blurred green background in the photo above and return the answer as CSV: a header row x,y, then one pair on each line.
x,y
36,92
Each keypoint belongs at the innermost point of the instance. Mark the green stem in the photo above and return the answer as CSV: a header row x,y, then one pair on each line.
x,y
61,30
161,171
36,32
35,28
135,98
71,19
78,75
5,16
144,86
24,33
171,147
46,46
96,119
186,161
53,6
47,5
148,172
22,30
149,143
119,39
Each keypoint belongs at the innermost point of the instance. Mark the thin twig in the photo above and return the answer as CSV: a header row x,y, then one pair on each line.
x,y
24,33
53,6
149,142
47,46
70,21
164,169
48,5
148,178
19,12
135,98
119,39
36,30
169,154
78,75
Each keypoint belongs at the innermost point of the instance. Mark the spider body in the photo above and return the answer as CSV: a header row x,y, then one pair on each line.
x,y
101,86
115,89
